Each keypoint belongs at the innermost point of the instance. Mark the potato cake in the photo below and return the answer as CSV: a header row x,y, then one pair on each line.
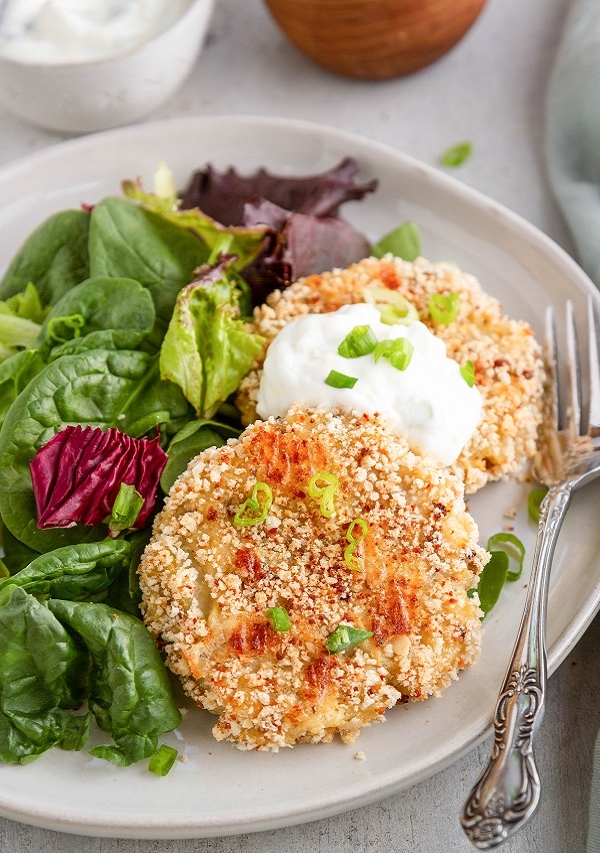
x,y
305,530
507,359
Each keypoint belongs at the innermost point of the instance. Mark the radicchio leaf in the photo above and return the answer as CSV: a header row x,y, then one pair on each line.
x,y
77,475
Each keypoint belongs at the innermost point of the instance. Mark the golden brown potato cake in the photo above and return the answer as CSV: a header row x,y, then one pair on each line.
x,y
507,359
208,583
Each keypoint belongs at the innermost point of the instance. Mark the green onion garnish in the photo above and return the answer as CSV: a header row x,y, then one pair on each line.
x,y
350,557
344,637
253,511
393,308
324,486
467,371
279,618
360,341
403,242
514,549
340,380
491,580
398,352
162,760
457,154
443,308
534,502
126,508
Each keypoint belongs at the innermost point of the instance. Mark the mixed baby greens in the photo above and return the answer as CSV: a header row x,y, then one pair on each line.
x,y
123,322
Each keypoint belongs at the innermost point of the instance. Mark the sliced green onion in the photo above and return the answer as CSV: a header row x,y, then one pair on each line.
x,y
126,508
403,242
344,637
324,492
340,380
467,371
398,352
279,618
394,309
350,557
457,154
162,760
514,549
491,580
360,341
253,510
534,502
443,308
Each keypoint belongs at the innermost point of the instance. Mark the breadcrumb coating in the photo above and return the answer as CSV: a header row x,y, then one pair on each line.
x,y
508,363
208,583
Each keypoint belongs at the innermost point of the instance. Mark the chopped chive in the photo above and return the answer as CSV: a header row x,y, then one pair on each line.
x,y
467,371
514,549
443,308
126,508
403,242
344,637
360,341
252,511
324,492
457,154
279,618
491,580
398,352
350,557
162,760
534,502
339,380
394,309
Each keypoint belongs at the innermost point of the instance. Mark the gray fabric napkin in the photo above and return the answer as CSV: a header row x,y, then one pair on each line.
x,y
573,160
573,131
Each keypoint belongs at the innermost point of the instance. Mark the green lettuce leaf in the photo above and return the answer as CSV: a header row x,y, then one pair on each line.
x,y
207,348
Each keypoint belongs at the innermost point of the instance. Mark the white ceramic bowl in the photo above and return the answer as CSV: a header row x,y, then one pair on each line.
x,y
80,97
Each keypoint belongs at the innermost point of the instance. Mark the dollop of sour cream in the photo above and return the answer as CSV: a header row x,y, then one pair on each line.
x,y
52,31
429,403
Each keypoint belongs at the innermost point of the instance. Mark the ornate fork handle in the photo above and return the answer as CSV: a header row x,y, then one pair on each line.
x,y
508,791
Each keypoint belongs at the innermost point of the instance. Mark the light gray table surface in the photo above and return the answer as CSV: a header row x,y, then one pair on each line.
x,y
490,90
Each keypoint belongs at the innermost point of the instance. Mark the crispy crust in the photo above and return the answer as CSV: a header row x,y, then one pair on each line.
x,y
208,583
508,364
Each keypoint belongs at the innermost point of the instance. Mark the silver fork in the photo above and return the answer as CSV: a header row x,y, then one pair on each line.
x,y
508,791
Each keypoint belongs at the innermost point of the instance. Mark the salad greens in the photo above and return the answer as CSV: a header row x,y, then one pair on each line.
x,y
119,322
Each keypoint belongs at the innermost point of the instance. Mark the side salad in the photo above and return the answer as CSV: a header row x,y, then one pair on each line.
x,y
122,339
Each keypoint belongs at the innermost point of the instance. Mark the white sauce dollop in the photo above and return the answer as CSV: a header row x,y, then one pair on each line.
x,y
429,403
54,31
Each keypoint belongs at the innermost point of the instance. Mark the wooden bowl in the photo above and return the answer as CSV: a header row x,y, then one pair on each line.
x,y
374,39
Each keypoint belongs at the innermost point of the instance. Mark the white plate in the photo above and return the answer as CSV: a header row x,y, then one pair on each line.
x,y
220,790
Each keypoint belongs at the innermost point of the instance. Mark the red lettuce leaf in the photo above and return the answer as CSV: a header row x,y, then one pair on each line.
x,y
77,475
305,234
222,195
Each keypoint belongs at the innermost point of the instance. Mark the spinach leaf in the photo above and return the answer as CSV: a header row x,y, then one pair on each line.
x,y
130,693
107,339
74,572
102,388
207,349
191,440
16,555
128,241
15,374
43,673
125,593
54,258
102,303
